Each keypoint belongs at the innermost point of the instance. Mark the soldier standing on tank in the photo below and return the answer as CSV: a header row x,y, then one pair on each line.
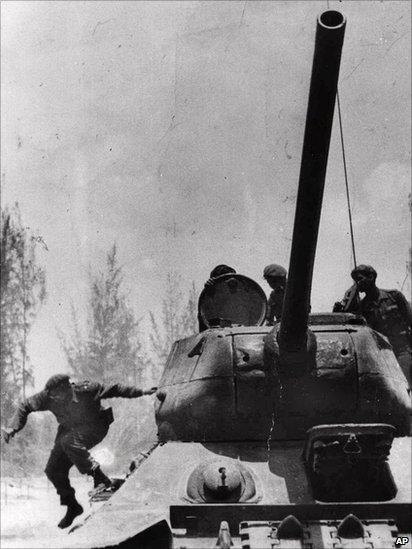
x,y
83,423
219,270
386,311
275,276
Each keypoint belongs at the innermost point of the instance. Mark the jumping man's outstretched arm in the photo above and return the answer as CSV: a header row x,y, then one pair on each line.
x,y
35,403
120,390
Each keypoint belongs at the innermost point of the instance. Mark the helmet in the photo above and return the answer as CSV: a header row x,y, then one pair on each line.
x,y
274,270
220,270
365,270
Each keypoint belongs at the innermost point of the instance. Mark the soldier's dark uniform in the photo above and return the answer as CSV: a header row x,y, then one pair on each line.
x,y
386,311
275,275
83,423
389,313
275,306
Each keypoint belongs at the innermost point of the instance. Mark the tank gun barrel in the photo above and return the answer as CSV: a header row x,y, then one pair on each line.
x,y
323,86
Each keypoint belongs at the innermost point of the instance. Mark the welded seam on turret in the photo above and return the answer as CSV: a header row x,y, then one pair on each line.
x,y
273,422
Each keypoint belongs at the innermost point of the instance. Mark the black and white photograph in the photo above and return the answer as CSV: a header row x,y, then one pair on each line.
x,y
206,323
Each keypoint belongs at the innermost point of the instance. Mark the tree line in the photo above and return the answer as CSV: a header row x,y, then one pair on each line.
x,y
112,344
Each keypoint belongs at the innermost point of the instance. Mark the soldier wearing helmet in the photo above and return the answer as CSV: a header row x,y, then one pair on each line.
x,y
217,271
275,276
386,311
83,423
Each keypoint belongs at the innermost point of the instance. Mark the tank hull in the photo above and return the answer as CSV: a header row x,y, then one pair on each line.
x,y
155,497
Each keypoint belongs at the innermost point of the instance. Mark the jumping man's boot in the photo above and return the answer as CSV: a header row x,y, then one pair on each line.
x,y
100,479
74,509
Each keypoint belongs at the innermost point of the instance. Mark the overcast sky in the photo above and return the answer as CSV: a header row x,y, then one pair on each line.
x,y
175,129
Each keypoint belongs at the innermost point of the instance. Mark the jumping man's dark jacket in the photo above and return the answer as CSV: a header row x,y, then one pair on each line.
x,y
82,409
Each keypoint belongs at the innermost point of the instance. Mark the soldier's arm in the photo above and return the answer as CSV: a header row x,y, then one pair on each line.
x,y
120,390
35,403
269,312
404,307
349,303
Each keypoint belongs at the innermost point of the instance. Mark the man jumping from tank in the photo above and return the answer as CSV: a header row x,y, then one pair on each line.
x,y
275,276
386,311
83,423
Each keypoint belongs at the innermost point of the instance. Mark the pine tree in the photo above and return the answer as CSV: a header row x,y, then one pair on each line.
x,y
178,320
110,350
23,290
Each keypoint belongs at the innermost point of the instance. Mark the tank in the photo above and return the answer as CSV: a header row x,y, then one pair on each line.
x,y
293,435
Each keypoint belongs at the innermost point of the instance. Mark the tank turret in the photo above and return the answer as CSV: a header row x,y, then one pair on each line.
x,y
284,436
228,382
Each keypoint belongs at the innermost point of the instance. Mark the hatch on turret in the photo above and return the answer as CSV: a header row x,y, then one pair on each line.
x,y
233,300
